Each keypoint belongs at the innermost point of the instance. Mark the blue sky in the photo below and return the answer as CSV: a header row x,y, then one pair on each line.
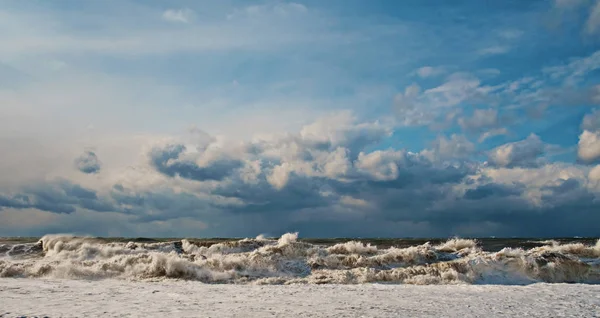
x,y
336,118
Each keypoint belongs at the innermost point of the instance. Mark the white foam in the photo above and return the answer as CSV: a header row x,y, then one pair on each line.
x,y
119,298
290,261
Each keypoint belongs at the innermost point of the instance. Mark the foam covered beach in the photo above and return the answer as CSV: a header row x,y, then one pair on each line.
x,y
180,298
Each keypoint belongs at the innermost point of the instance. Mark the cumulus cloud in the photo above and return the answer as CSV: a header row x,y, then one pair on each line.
x,y
88,162
457,146
172,161
326,174
524,153
588,148
591,122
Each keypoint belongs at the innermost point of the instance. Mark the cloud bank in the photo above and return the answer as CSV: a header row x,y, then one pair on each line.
x,y
240,118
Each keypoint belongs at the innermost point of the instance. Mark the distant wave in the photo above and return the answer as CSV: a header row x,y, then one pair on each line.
x,y
289,261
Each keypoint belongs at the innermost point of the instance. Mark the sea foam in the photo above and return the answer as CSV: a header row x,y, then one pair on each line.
x,y
289,261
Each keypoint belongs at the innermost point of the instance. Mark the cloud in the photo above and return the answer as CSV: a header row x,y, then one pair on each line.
x,y
481,119
178,15
171,161
455,147
489,190
459,87
429,71
494,50
588,148
343,129
416,108
524,153
356,172
88,162
60,196
492,133
591,121
592,24
573,72
307,180
405,101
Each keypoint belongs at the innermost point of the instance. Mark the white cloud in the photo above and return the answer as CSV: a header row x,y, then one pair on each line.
x,y
588,148
591,121
492,133
354,202
458,88
574,71
429,71
457,146
520,153
380,165
178,15
594,174
592,25
280,176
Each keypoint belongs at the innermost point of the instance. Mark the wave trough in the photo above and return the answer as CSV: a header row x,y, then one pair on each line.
x,y
290,261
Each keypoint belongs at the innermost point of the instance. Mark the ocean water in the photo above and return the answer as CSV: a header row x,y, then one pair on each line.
x,y
289,260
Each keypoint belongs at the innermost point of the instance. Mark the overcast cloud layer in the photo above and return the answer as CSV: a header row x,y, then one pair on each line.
x,y
336,119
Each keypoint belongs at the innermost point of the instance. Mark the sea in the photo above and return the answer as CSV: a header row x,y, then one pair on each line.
x,y
292,260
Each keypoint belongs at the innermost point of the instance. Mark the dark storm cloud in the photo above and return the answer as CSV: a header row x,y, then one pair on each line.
x,y
167,161
60,196
88,163
493,190
158,205
300,192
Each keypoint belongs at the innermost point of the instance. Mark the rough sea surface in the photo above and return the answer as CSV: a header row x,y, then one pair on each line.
x,y
288,260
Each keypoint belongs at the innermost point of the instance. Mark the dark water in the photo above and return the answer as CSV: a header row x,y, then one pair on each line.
x,y
487,244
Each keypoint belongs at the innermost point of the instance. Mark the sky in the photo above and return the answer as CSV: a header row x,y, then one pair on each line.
x,y
338,118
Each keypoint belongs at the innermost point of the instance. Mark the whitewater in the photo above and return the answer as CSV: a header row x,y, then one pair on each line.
x,y
68,276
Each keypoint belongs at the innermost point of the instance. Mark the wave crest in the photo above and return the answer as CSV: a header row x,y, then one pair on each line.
x,y
289,261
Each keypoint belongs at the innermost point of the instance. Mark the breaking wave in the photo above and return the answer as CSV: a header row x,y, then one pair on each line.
x,y
290,261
